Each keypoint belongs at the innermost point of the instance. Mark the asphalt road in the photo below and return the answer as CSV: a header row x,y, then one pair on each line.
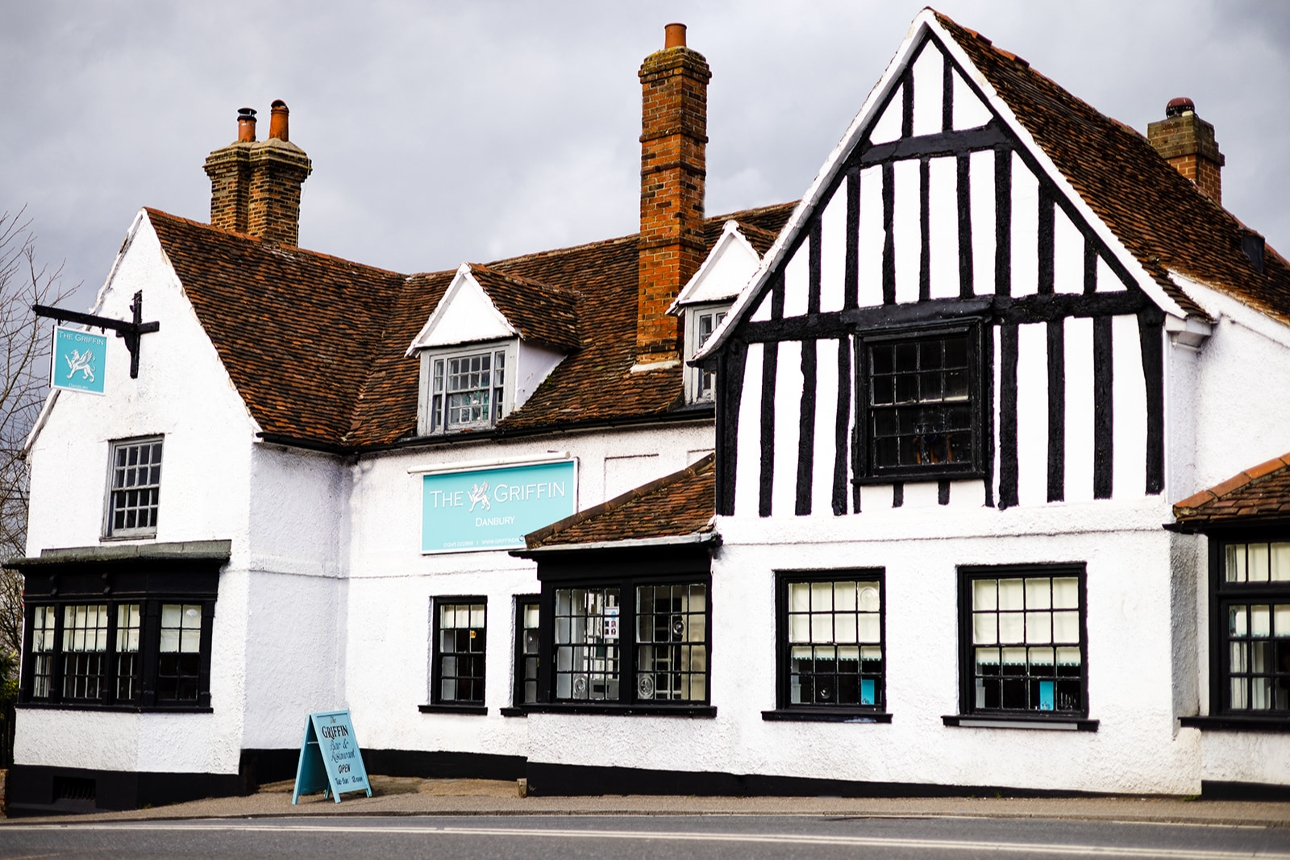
x,y
725,836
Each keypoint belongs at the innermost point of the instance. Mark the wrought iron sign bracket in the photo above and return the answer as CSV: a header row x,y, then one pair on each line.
x,y
128,331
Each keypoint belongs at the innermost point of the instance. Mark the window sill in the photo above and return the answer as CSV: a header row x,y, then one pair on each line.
x,y
611,710
1234,723
514,712
470,710
824,715
120,709
1012,721
120,536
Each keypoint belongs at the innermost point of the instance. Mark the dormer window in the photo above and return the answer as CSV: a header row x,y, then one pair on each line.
x,y
707,298
467,388
700,323
491,341
468,391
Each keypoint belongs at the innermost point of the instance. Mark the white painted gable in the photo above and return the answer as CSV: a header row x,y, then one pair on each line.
x,y
465,315
724,273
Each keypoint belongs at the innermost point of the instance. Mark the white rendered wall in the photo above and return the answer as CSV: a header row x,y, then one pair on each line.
x,y
1130,655
183,393
391,583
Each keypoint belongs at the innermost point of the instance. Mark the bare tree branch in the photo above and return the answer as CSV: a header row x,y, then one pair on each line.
x,y
24,350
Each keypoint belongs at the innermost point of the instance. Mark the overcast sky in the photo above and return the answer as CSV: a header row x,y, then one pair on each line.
x,y
448,131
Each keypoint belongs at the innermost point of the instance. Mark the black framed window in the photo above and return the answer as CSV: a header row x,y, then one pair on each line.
x,y
921,394
129,665
467,391
830,643
1024,648
134,489
179,655
527,645
672,642
639,643
460,640
1251,627
131,653
665,626
85,647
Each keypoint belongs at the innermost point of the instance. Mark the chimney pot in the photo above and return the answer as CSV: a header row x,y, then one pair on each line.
x,y
674,36
245,125
278,121
1180,106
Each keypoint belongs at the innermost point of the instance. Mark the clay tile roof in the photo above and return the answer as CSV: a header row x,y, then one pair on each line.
x,y
1160,216
537,311
296,330
1258,494
315,344
679,504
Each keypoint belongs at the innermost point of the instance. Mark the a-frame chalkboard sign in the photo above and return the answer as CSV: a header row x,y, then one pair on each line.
x,y
330,760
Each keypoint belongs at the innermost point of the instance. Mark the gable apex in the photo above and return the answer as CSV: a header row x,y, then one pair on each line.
x,y
465,314
725,271
931,30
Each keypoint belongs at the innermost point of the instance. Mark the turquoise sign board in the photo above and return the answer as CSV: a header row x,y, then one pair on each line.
x,y
494,508
80,360
330,760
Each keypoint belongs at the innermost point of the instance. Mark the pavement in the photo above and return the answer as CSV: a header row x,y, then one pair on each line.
x,y
395,796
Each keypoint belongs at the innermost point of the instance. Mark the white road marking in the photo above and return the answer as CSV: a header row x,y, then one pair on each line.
x,y
682,836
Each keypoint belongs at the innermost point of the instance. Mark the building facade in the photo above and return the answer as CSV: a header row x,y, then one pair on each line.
x,y
861,494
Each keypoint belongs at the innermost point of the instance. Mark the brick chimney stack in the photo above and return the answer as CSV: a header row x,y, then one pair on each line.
x,y
674,124
1187,142
255,185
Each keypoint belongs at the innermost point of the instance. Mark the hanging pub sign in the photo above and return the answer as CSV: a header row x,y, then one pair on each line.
x,y
330,760
79,362
494,508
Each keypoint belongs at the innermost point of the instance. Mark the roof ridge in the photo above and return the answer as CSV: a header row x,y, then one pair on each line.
x,y
522,281
269,246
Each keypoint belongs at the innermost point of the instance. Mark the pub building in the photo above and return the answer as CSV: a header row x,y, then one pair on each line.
x,y
897,489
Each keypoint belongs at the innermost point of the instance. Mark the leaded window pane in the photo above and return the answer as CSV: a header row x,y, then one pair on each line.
x,y
587,643
529,639
920,409
671,642
128,662
44,620
85,642
1258,651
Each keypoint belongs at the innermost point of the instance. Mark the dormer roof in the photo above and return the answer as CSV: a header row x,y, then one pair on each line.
x,y
484,304
725,271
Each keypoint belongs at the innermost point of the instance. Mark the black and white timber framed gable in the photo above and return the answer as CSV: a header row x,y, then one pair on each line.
x,y
943,314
